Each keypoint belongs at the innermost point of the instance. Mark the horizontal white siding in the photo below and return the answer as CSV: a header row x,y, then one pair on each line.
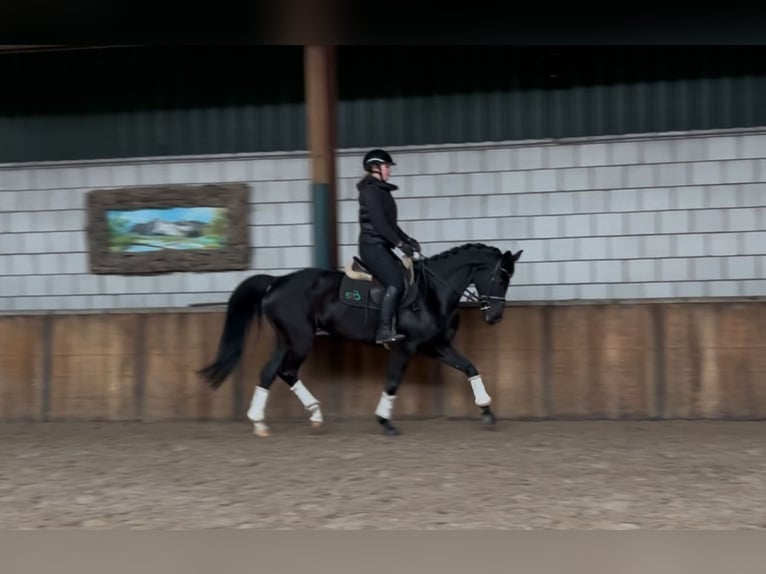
x,y
662,216
666,215
43,252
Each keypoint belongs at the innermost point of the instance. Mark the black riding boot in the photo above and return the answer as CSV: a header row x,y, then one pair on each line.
x,y
388,306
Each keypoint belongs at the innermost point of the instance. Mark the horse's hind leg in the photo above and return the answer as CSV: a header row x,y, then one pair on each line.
x,y
289,374
257,411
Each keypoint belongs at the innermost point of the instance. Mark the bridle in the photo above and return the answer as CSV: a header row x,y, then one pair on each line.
x,y
482,300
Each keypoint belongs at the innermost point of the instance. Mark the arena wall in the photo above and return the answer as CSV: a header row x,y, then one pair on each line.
x,y
644,360
638,294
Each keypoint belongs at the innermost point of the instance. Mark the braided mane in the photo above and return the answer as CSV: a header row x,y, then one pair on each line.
x,y
464,248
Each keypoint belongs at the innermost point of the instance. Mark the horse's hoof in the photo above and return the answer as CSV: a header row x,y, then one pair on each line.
x,y
488,419
261,430
316,426
388,428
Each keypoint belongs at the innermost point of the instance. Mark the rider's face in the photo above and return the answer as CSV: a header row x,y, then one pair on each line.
x,y
385,171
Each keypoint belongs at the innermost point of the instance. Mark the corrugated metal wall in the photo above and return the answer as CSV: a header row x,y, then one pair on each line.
x,y
458,93
150,101
179,100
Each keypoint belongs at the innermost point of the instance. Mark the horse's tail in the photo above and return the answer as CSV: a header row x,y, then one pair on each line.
x,y
244,304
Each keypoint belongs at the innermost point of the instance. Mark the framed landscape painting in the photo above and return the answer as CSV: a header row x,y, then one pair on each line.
x,y
148,230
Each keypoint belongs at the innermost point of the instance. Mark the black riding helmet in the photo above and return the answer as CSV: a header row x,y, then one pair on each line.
x,y
376,156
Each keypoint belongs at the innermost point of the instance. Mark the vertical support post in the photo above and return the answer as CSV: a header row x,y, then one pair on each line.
x,y
320,80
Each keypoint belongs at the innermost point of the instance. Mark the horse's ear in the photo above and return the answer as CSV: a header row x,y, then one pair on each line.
x,y
510,257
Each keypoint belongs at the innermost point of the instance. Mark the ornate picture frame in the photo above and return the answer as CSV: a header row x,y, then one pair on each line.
x,y
164,229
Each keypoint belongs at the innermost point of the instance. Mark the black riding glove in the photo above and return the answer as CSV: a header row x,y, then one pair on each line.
x,y
406,248
414,244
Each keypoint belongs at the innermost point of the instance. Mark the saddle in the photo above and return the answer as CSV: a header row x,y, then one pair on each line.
x,y
359,288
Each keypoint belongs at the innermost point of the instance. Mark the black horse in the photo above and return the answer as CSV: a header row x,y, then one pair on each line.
x,y
346,304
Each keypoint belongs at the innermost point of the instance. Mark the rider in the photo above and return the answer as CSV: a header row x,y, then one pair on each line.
x,y
380,234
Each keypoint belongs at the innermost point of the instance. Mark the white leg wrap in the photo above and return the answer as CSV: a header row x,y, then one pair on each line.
x,y
256,412
481,398
385,406
309,401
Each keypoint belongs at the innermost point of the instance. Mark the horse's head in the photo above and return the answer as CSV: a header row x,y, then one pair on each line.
x,y
491,280
488,268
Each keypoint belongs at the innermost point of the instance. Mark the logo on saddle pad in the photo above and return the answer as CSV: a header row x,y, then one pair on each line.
x,y
358,288
353,295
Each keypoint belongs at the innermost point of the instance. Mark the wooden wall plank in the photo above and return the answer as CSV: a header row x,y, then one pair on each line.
x,y
177,345
21,367
714,354
570,361
517,367
736,361
93,367
756,345
603,361
628,361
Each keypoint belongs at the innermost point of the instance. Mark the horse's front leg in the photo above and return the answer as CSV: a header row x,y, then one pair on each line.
x,y
397,365
454,359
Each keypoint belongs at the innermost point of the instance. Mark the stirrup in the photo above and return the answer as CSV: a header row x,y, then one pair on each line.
x,y
390,338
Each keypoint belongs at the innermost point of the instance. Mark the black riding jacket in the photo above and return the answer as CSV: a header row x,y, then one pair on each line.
x,y
378,213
